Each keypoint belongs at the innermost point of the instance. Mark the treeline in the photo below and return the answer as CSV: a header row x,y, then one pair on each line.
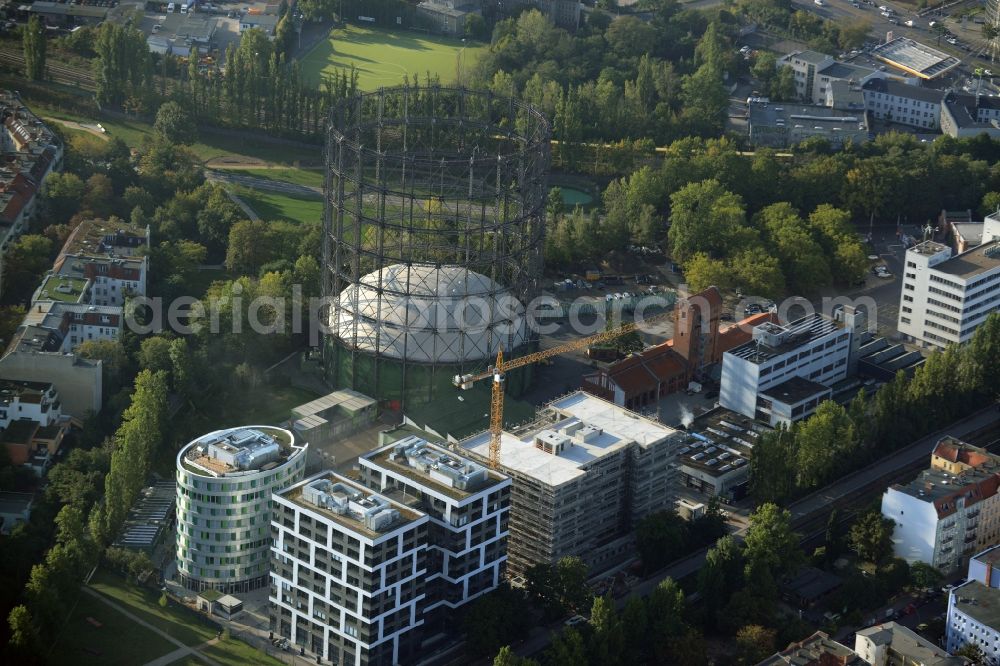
x,y
836,440
770,224
86,524
738,589
261,86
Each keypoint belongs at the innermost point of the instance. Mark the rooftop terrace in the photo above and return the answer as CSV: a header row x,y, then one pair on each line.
x,y
238,451
62,289
350,504
100,237
435,467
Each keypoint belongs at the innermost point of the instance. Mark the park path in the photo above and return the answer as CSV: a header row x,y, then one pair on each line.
x,y
181,651
91,129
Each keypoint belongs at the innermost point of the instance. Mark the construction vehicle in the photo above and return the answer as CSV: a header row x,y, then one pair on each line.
x,y
500,368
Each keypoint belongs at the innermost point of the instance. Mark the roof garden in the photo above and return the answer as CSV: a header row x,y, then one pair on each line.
x,y
62,289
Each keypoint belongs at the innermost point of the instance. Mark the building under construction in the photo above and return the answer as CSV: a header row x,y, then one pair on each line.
x,y
584,473
433,237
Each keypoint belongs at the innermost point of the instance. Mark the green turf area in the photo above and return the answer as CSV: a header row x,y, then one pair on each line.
x,y
275,206
81,642
179,623
210,146
381,57
263,405
176,621
307,177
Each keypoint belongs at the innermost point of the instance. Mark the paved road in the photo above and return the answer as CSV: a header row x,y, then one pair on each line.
x,y
282,187
176,654
814,505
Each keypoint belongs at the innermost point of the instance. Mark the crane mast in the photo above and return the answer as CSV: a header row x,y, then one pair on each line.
x,y
499,371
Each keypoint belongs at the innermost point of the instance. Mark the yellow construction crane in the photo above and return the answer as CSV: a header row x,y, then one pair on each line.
x,y
499,371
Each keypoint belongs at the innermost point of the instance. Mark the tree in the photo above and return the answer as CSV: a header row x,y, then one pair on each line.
x,y
495,619
661,538
182,367
249,247
174,124
871,537
973,653
567,649
705,100
507,657
23,630
316,10
705,217
771,542
33,41
721,575
755,643
571,583
154,354
163,600
111,354
606,642
701,272
27,259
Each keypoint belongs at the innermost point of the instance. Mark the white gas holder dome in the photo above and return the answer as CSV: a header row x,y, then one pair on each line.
x,y
428,314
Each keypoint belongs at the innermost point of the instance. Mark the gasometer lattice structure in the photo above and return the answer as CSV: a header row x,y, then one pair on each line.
x,y
433,235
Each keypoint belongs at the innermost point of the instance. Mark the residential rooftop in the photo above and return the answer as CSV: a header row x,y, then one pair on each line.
x,y
239,451
979,602
23,391
816,649
989,556
938,486
350,504
62,288
915,58
915,648
100,237
771,340
435,467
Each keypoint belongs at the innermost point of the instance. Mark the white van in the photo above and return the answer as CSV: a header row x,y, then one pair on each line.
x,y
170,8
184,8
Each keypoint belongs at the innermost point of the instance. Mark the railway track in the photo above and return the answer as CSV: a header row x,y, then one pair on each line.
x,y
56,72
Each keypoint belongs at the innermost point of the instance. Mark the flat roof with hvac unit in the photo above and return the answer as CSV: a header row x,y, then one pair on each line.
x,y
915,58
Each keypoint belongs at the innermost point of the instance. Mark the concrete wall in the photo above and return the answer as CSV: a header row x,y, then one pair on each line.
x,y
78,381
916,526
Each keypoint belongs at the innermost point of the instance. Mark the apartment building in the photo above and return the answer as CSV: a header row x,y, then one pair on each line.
x,y
584,472
892,644
964,115
974,608
32,425
950,510
348,572
112,258
224,485
29,152
816,650
814,72
898,102
784,372
468,507
946,296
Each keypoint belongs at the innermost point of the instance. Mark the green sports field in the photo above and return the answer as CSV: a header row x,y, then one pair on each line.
x,y
382,57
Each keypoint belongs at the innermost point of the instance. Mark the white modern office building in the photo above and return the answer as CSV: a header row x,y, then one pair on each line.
x,y
974,608
784,372
469,510
224,485
950,510
946,296
348,571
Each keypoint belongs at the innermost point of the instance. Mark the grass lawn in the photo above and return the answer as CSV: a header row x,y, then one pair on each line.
x,y
80,642
209,147
381,57
264,405
307,177
175,621
276,206
181,623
